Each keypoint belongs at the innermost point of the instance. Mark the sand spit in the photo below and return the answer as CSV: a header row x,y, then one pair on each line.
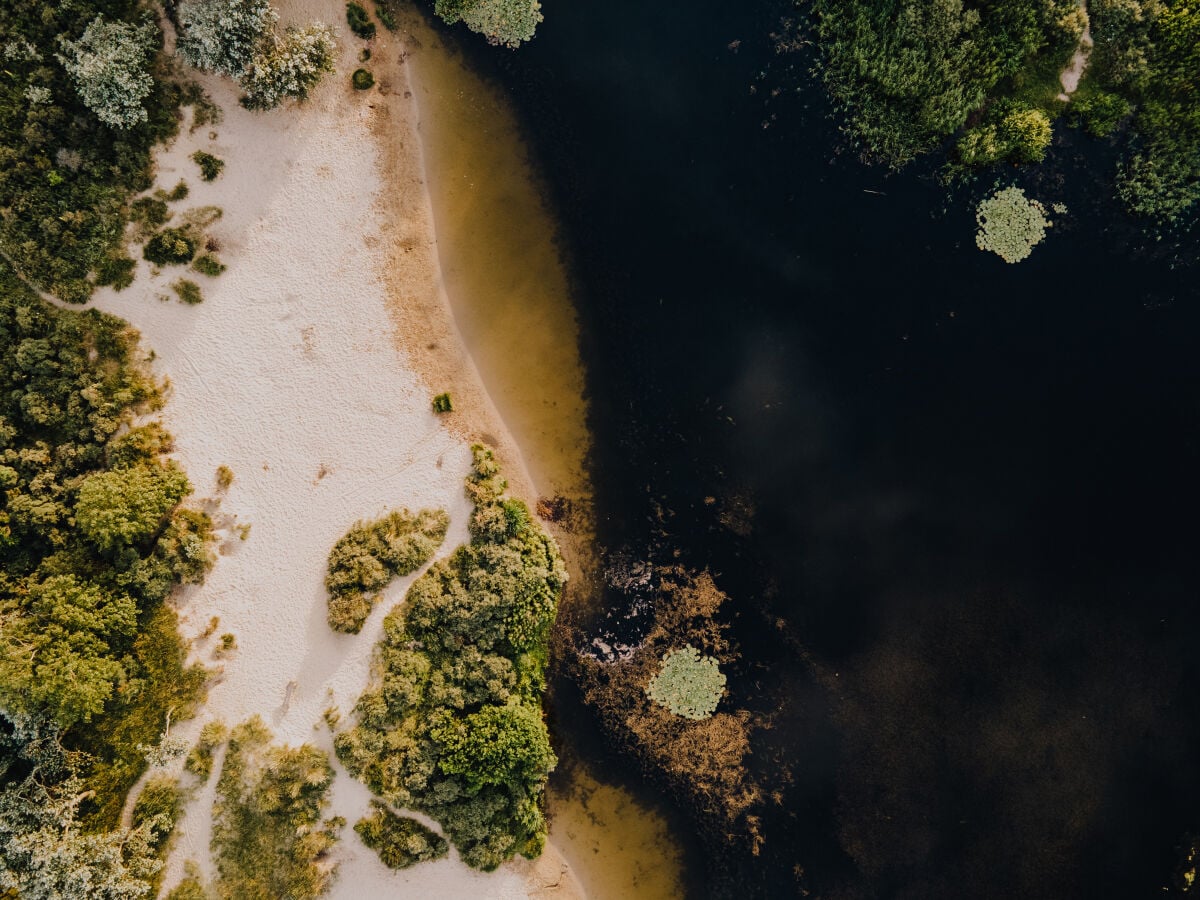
x,y
289,373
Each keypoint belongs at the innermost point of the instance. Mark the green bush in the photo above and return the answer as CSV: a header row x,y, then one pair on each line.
x,y
360,23
268,838
443,404
207,264
116,270
1099,112
210,166
362,80
371,554
177,193
187,291
149,212
507,23
199,761
385,15
451,724
171,246
400,841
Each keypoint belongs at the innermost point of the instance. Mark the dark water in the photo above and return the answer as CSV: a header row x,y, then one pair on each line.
x,y
969,594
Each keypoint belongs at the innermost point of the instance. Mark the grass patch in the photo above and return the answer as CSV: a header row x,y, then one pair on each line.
x,y
268,838
208,264
210,166
400,841
359,21
200,760
371,554
187,291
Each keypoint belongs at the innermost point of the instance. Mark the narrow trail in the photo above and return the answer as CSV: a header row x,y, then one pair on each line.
x,y
1069,77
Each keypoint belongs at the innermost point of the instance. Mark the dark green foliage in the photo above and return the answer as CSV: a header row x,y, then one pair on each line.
x,y
451,724
171,246
506,23
400,841
385,15
268,838
177,193
362,80
1149,53
66,177
207,264
149,212
1008,132
360,23
443,404
87,559
210,166
157,810
1099,112
371,554
187,291
116,270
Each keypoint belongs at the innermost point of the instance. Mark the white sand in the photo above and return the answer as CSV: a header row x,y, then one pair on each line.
x,y
289,374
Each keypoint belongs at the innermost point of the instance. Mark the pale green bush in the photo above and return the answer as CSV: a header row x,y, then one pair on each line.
x,y
110,67
1010,224
289,68
224,35
689,685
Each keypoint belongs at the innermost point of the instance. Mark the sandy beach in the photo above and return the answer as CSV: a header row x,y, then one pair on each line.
x,y
296,372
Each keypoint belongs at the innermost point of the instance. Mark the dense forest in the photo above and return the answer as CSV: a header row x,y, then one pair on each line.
x,y
983,77
92,541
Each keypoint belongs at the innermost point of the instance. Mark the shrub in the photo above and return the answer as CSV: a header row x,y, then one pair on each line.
x,y
289,68
177,193
187,291
268,839
362,80
442,404
451,724
384,13
210,166
360,23
689,685
400,841
110,67
507,23
224,35
116,270
150,212
1017,133
1010,224
123,507
371,554
171,246
224,477
207,264
1100,112
199,761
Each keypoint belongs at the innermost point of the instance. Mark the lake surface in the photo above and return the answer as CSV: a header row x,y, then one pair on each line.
x,y
953,501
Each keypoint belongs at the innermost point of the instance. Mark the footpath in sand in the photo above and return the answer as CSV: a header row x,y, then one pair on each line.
x,y
290,374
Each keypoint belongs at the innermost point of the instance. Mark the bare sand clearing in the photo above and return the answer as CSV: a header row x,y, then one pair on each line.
x,y
290,374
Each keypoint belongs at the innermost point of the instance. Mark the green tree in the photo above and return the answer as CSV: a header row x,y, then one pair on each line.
x,y
121,508
58,656
110,66
497,745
